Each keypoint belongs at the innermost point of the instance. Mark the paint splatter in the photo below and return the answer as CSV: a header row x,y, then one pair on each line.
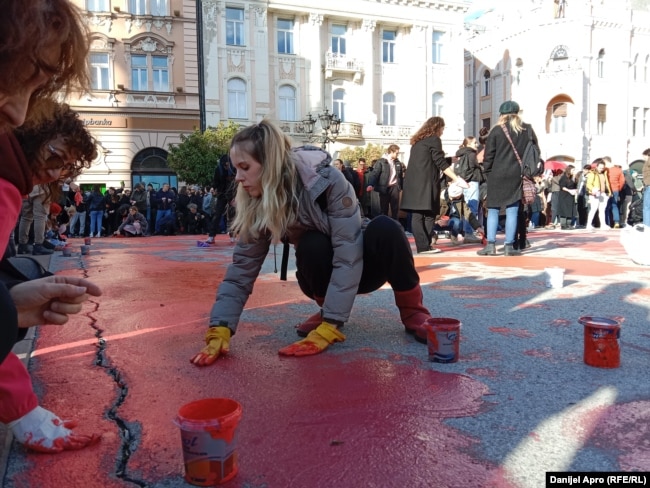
x,y
524,334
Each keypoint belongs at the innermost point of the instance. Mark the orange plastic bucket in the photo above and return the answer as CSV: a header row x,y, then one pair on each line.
x,y
209,441
602,348
443,339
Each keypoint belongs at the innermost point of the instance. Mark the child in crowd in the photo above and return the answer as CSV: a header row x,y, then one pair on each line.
x,y
55,228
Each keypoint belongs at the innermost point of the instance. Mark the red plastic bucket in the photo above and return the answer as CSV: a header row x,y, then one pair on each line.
x,y
443,339
602,348
209,441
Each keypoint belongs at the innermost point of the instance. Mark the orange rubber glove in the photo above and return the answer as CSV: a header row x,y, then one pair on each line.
x,y
316,341
42,431
218,342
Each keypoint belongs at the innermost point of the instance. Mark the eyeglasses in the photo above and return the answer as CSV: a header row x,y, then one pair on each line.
x,y
56,161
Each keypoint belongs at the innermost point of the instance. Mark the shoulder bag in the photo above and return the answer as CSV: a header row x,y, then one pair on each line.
x,y
528,191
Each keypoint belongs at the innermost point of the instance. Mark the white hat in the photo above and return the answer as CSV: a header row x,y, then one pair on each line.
x,y
454,191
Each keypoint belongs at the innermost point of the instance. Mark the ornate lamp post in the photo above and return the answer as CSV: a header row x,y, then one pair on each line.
x,y
329,123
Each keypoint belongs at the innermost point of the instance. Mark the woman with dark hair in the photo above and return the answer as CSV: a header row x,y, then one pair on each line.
x,y
421,193
39,154
294,195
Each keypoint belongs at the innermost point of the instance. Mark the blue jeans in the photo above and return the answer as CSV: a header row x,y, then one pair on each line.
x,y
646,206
511,223
471,199
96,217
612,207
159,216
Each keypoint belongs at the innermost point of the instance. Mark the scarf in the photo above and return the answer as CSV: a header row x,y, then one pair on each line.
x,y
13,165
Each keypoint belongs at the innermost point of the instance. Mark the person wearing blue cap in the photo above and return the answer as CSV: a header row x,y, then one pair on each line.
x,y
503,171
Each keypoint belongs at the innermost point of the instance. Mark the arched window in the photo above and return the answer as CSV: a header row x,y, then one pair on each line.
x,y
635,68
237,99
645,69
559,117
388,107
287,105
101,62
601,63
150,57
338,103
486,83
437,104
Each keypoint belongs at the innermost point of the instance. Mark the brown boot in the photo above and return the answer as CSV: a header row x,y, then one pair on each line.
x,y
413,314
312,322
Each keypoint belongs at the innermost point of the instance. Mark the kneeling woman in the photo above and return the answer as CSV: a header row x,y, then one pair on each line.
x,y
296,196
134,224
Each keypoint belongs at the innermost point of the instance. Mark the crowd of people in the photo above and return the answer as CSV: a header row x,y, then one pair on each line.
x,y
281,194
45,225
436,195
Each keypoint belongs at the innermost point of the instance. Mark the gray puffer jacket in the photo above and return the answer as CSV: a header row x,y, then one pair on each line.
x,y
337,215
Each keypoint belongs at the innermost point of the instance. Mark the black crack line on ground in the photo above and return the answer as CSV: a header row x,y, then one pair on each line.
x,y
129,434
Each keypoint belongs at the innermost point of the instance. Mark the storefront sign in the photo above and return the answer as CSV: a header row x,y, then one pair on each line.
x,y
105,122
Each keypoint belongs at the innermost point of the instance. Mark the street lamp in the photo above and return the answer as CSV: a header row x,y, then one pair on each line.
x,y
329,124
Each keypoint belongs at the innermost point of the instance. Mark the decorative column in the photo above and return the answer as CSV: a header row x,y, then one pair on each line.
x,y
311,49
210,62
423,83
365,106
262,79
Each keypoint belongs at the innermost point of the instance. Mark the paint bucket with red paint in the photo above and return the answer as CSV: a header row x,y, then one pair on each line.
x,y
85,250
443,339
87,241
602,348
209,441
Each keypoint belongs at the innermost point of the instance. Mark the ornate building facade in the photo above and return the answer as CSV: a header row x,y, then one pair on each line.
x,y
382,67
581,76
145,87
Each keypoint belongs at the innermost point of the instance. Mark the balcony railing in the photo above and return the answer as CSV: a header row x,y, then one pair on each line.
x,y
395,131
340,63
150,99
350,131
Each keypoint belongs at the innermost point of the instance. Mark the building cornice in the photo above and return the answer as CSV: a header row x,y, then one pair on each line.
x,y
143,113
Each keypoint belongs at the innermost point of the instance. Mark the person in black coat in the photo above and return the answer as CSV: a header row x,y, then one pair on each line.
x,y
422,181
503,172
566,198
387,179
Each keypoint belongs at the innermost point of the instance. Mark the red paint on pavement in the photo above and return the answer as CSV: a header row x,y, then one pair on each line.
x,y
355,417
524,334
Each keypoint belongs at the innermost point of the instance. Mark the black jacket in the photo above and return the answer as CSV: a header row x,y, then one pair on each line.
x,y
422,180
380,176
501,167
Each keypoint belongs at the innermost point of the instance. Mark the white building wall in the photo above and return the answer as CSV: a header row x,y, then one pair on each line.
x,y
413,78
533,36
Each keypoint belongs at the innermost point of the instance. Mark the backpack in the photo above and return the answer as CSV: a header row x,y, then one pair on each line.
x,y
462,167
531,163
635,212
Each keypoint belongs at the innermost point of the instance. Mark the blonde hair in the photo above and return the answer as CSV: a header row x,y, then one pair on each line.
x,y
276,209
513,120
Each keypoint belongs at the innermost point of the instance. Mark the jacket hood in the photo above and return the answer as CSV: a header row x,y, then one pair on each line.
x,y
313,166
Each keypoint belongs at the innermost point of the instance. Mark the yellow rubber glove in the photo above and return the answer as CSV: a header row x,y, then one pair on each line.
x,y
218,342
316,341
